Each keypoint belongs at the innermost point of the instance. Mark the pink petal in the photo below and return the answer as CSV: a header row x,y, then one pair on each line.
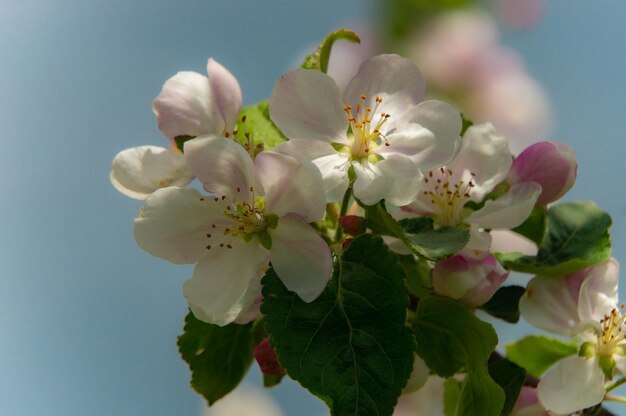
x,y
226,93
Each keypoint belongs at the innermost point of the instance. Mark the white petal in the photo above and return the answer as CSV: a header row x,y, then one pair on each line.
x,y
549,304
225,282
300,257
139,171
509,210
395,179
332,165
574,383
620,363
486,155
598,292
393,78
419,376
173,224
428,133
186,107
290,186
306,104
226,93
222,166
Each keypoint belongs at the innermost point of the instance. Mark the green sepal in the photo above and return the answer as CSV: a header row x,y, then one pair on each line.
x,y
319,59
577,237
467,123
504,304
537,353
218,356
350,346
259,125
270,380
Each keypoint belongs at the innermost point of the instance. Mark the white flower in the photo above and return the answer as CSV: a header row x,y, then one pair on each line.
x,y
581,305
482,163
190,104
391,135
258,211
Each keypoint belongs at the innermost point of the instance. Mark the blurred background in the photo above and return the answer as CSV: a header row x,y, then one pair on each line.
x,y
88,321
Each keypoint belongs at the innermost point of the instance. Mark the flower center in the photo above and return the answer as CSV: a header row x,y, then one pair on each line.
x,y
366,124
447,198
246,221
613,332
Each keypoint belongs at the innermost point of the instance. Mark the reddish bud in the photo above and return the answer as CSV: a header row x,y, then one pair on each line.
x,y
352,224
266,358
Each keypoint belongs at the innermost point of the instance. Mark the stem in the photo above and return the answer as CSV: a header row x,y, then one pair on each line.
x,y
345,203
615,385
617,399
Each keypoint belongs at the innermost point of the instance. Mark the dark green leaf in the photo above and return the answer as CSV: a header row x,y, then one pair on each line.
x,y
504,304
534,228
511,378
350,346
258,123
537,353
218,357
577,237
417,233
319,59
180,141
466,124
449,338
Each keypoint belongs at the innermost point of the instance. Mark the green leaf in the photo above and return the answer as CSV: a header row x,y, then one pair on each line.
x,y
451,396
350,346
450,337
511,378
417,233
504,304
218,357
258,123
534,228
577,237
319,59
467,123
537,353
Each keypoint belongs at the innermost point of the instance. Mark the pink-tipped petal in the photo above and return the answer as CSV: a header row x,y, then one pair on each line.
x,y
139,171
226,93
300,257
186,107
393,78
223,167
290,186
306,104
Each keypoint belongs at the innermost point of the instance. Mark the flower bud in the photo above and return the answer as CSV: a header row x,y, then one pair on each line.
x,y
352,224
266,358
527,403
551,165
470,280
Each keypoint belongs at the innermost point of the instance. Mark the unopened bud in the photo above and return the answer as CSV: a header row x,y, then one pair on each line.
x,y
352,224
551,165
266,358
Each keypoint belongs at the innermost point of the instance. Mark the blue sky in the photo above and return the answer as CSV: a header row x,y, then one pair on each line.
x,y
87,320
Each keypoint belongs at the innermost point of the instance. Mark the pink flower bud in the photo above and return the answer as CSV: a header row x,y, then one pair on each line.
x,y
470,280
266,358
528,404
551,165
352,224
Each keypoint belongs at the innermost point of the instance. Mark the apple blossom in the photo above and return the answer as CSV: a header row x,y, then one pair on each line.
x,y
471,280
189,105
257,212
583,306
551,165
483,162
527,403
391,136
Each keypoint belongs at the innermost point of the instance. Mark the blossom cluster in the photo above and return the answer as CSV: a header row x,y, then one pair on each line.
x,y
375,159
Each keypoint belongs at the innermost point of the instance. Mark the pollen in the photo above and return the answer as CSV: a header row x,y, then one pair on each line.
x,y
366,124
448,195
